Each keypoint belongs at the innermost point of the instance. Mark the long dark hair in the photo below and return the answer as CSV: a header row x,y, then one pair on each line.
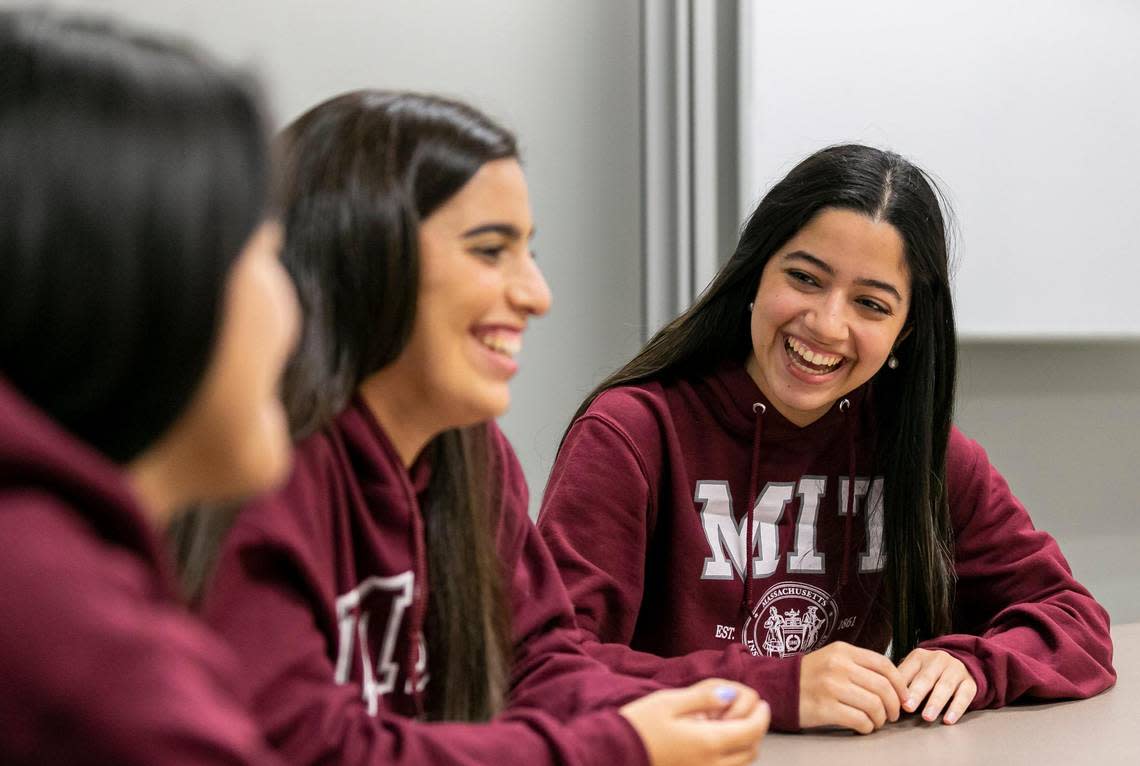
x,y
913,404
132,172
359,173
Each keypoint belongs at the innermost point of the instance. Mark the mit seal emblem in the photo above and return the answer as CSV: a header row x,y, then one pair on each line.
x,y
790,618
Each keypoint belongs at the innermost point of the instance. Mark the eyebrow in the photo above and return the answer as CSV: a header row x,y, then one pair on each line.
x,y
800,255
506,229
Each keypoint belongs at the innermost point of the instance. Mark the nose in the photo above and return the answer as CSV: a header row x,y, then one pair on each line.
x,y
827,319
528,292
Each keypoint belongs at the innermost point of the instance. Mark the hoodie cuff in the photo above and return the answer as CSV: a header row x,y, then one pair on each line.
x,y
606,738
777,681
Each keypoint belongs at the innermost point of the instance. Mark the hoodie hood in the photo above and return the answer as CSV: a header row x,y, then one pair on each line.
x,y
730,395
388,484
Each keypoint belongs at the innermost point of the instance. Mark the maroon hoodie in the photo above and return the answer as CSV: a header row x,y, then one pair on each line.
x,y
648,514
322,590
99,663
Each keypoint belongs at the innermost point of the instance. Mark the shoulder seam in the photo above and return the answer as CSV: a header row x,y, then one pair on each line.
x,y
632,445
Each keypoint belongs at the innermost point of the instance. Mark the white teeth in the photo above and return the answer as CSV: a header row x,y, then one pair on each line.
x,y
508,346
822,360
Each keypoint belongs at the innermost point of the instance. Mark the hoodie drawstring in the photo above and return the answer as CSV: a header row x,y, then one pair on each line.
x,y
417,611
758,409
849,427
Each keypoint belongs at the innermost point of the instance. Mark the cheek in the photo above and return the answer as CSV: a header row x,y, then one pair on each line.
x,y
463,306
288,312
483,292
874,345
772,312
251,413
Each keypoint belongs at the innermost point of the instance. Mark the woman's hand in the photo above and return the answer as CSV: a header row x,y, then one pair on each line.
x,y
844,685
714,722
943,677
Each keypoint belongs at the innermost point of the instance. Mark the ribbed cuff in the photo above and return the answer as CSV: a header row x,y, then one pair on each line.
x,y
777,680
606,738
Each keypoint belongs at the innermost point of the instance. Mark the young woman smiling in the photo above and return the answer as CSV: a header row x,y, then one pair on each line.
x,y
772,490
394,603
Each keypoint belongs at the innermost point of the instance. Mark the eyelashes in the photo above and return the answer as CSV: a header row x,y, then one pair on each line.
x,y
804,280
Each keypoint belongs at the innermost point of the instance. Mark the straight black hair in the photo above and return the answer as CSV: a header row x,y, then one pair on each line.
x,y
913,403
360,172
132,172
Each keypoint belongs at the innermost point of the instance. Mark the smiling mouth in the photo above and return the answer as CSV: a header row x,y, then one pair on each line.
x,y
811,362
504,344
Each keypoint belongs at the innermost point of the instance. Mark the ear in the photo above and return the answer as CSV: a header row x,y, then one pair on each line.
x,y
906,330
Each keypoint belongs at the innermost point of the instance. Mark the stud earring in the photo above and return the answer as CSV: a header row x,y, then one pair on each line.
x,y
893,362
751,306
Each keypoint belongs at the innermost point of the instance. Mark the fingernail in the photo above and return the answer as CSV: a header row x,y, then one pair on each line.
x,y
951,717
725,694
910,704
928,716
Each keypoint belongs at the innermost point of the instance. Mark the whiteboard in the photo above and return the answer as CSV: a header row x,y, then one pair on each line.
x,y
1027,114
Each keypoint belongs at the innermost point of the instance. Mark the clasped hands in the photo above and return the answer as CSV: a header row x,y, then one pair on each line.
x,y
858,689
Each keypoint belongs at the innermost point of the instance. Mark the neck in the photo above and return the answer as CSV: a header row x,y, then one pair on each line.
x,y
408,420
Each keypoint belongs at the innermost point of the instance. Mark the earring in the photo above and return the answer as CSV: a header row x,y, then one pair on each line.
x,y
893,362
751,306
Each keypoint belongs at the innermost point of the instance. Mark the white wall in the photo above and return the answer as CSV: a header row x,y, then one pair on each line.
x,y
1028,119
1060,421
563,75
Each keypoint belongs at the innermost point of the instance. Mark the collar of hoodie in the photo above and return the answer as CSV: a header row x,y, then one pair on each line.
x,y
730,395
413,484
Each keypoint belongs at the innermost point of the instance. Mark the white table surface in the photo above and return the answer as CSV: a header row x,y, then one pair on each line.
x,y
1100,731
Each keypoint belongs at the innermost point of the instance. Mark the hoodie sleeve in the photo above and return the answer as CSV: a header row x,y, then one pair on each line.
x,y
264,602
597,518
551,671
1025,627
96,666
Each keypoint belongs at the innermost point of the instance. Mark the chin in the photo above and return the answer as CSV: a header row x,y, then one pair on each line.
x,y
488,407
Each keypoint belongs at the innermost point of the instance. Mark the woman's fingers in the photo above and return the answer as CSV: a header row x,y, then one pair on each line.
x,y
911,666
853,718
869,703
883,667
840,678
961,702
943,690
932,665
679,727
741,758
745,701
743,733
881,688
939,678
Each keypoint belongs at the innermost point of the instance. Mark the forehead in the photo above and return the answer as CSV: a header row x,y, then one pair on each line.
x,y
497,192
855,246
